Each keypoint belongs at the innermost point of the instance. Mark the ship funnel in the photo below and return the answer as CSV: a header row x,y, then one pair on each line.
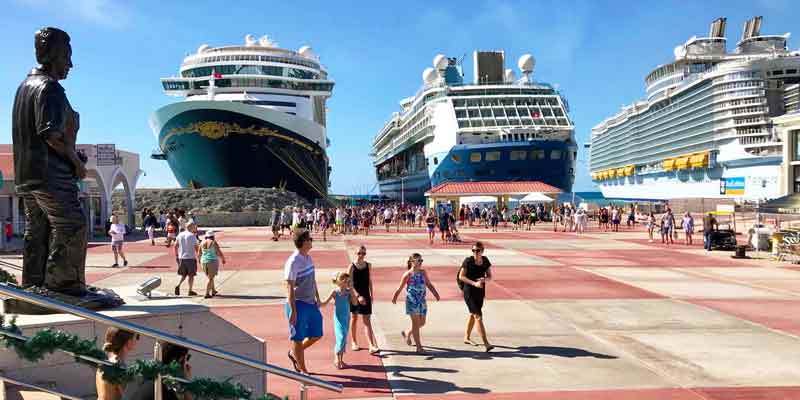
x,y
718,28
752,28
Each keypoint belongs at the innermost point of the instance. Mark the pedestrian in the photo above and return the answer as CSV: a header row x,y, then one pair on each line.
x,y
709,225
688,227
119,343
472,277
344,298
360,273
615,218
8,229
275,223
444,225
210,256
117,232
150,227
667,227
415,280
651,225
387,217
430,223
186,249
302,300
172,229
324,222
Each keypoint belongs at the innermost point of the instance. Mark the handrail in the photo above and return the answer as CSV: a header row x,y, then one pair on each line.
x,y
39,388
48,303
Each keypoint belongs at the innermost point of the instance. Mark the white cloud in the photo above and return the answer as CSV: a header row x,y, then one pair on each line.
x,y
105,13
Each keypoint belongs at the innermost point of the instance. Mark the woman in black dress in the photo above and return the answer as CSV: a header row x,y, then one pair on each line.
x,y
472,277
362,285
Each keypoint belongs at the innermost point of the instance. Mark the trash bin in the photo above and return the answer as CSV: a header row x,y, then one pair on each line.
x,y
741,251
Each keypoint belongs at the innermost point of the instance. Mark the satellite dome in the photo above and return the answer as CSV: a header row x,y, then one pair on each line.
x,y
265,41
429,75
509,75
440,62
306,52
202,49
526,63
249,40
679,52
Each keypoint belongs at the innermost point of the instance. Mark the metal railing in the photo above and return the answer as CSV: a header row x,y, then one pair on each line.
x,y
161,338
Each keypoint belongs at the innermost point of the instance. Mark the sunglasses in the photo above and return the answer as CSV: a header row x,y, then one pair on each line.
x,y
362,254
477,250
419,260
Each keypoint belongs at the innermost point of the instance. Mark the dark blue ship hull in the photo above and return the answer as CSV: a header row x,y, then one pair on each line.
x,y
221,148
547,161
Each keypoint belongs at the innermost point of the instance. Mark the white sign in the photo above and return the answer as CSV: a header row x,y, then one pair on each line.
x,y
106,154
725,208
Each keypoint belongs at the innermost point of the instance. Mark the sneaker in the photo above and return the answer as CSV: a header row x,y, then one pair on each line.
x,y
115,265
125,263
192,293
177,290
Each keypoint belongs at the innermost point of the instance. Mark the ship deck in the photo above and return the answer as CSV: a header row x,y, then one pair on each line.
x,y
598,316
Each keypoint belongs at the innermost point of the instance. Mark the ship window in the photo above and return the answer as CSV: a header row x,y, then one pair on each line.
x,y
460,172
492,155
791,71
796,145
435,161
475,157
455,157
537,154
446,174
555,154
517,155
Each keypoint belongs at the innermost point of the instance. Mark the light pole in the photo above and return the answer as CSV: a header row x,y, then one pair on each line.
x,y
402,191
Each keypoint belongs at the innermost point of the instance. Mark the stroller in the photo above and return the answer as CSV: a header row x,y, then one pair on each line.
x,y
453,236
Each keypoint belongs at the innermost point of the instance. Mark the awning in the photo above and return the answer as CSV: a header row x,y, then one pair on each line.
x,y
668,164
535,197
782,205
477,199
682,162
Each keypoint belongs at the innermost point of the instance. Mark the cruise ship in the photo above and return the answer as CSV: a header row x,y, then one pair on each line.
x,y
705,128
252,115
496,128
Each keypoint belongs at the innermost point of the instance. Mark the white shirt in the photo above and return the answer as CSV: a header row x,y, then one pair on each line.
x,y
187,242
387,213
117,232
295,218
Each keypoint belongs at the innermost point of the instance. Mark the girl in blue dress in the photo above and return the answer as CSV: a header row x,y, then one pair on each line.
x,y
415,280
343,298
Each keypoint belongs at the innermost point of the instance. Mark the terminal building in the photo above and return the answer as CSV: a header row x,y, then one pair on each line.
x,y
108,168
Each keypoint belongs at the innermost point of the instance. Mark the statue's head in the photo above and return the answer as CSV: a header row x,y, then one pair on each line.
x,y
54,52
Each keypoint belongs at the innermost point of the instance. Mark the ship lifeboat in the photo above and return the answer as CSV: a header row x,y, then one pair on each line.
x,y
699,160
629,170
682,162
668,164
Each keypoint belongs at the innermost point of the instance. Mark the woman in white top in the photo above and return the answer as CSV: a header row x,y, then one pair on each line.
x,y
117,233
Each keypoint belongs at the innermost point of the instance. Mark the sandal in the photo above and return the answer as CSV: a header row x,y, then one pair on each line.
x,y
294,362
355,347
489,348
470,342
407,338
374,351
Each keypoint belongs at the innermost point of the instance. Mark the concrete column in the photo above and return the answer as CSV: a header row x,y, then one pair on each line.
x,y
131,202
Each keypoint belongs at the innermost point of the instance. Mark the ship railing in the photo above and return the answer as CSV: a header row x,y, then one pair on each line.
x,y
161,338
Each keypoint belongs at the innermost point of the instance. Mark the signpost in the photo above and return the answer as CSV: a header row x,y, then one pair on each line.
x,y
106,154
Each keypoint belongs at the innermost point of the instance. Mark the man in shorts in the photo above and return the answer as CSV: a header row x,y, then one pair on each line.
x,y
186,248
302,300
275,222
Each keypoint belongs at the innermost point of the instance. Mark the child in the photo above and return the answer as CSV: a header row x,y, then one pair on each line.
x,y
171,232
415,280
343,298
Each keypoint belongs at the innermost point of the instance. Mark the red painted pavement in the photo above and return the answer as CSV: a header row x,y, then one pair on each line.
x,y
750,393
365,376
563,283
782,315
255,260
642,394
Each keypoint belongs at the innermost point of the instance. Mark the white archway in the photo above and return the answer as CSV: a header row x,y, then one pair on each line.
x,y
117,177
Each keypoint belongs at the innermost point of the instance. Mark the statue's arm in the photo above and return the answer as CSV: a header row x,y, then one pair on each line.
x,y
58,128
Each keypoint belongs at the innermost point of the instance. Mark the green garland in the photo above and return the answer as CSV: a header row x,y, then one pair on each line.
x,y
7,277
47,341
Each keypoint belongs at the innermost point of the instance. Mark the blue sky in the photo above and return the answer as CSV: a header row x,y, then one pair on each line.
x,y
597,52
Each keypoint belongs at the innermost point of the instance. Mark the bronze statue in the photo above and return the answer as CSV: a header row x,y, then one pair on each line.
x,y
47,169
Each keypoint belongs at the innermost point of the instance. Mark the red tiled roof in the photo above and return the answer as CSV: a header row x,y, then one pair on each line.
x,y
7,166
492,188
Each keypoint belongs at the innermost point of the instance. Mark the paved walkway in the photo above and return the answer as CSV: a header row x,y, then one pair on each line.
x,y
599,316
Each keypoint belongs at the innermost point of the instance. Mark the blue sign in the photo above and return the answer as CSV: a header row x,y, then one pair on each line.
x,y
732,186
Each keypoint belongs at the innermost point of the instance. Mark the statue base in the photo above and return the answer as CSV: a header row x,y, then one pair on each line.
x,y
91,298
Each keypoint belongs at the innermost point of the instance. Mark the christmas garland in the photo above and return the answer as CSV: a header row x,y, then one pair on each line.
x,y
47,341
7,277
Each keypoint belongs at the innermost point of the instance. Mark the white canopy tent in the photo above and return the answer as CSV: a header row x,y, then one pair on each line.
x,y
477,199
535,197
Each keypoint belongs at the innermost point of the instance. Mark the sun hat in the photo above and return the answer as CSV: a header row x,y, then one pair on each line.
x,y
209,234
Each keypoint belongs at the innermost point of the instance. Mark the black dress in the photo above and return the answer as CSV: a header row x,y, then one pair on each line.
x,y
361,285
474,296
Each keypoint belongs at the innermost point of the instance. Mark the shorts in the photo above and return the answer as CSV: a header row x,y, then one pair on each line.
x,y
276,228
309,321
339,221
117,245
211,267
387,221
430,228
187,267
